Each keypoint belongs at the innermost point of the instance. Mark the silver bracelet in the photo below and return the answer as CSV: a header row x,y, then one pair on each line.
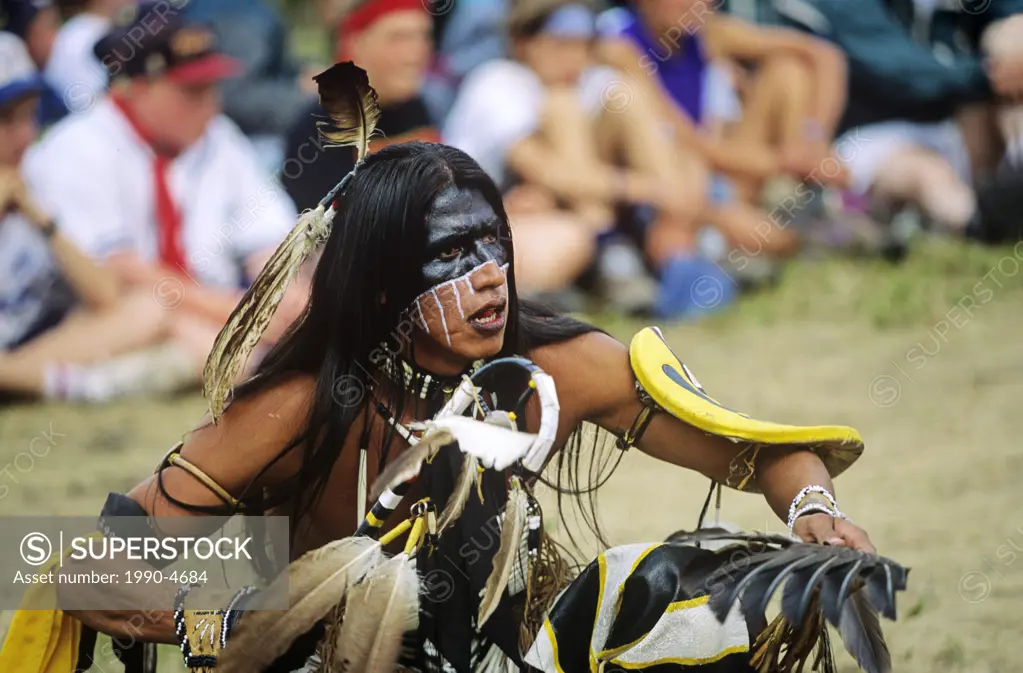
x,y
795,511
811,507
807,491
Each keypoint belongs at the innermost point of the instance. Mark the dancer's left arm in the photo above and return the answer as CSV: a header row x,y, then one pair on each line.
x,y
595,383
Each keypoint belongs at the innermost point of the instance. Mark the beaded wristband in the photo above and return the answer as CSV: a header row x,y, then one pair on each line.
x,y
812,507
231,614
797,509
179,621
798,500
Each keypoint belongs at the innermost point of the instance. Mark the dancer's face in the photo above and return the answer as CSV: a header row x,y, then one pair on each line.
x,y
461,317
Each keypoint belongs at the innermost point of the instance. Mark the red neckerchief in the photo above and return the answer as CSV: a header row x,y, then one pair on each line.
x,y
170,246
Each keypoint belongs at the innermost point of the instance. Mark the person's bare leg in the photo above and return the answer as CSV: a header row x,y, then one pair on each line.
x,y
923,177
776,103
569,132
84,338
639,137
551,250
984,142
751,230
775,108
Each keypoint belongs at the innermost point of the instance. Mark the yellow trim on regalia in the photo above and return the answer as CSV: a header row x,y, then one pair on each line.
x,y
670,384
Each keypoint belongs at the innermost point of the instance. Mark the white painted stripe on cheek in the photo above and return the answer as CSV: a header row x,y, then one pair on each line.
x,y
458,300
422,317
443,321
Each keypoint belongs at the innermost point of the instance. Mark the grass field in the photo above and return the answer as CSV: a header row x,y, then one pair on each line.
x,y
924,359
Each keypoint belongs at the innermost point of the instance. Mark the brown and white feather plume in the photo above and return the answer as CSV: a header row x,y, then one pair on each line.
x,y
351,102
409,463
511,538
460,495
345,94
378,613
315,584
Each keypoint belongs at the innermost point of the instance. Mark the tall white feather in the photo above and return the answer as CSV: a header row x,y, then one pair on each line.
x,y
379,611
315,583
511,539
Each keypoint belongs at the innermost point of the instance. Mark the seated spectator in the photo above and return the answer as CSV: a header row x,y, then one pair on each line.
x,y
553,121
73,69
919,128
467,36
268,94
792,88
390,40
154,182
60,312
36,22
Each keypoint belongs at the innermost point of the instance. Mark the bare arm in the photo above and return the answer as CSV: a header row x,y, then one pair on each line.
x,y
744,159
537,164
97,287
182,291
232,453
738,40
595,383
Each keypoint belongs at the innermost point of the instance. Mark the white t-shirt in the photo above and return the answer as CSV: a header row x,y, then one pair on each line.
x,y
501,102
73,70
95,175
32,289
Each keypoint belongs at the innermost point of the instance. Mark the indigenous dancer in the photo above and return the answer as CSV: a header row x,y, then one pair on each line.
x,y
414,322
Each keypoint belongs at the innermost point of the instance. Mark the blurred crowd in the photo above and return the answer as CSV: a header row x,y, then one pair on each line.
x,y
657,157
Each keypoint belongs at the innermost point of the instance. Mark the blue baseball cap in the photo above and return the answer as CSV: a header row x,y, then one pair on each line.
x,y
18,74
574,20
17,15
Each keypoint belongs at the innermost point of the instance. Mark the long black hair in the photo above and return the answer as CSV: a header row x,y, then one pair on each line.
x,y
368,274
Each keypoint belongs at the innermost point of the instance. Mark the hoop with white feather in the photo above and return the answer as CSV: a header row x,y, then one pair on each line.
x,y
489,444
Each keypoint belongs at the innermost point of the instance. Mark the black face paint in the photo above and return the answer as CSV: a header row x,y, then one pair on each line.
x,y
463,251
463,233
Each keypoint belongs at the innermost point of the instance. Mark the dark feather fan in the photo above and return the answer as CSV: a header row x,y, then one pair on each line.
x,y
841,586
351,102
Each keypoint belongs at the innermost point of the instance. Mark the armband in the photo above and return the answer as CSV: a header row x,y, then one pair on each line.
x,y
669,386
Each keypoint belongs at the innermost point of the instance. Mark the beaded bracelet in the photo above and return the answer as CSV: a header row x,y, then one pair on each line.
x,y
797,509
231,613
798,500
179,623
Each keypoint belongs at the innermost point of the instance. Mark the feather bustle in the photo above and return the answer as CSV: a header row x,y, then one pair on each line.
x,y
861,634
315,584
511,538
822,584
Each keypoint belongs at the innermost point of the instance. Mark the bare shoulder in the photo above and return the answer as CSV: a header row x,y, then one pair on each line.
x,y
252,432
592,374
244,448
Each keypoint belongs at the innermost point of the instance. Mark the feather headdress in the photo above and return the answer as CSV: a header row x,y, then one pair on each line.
x,y
351,103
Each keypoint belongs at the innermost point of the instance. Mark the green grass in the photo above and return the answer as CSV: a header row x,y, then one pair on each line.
x,y
941,278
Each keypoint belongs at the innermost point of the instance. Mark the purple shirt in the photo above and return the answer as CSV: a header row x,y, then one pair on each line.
x,y
680,66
